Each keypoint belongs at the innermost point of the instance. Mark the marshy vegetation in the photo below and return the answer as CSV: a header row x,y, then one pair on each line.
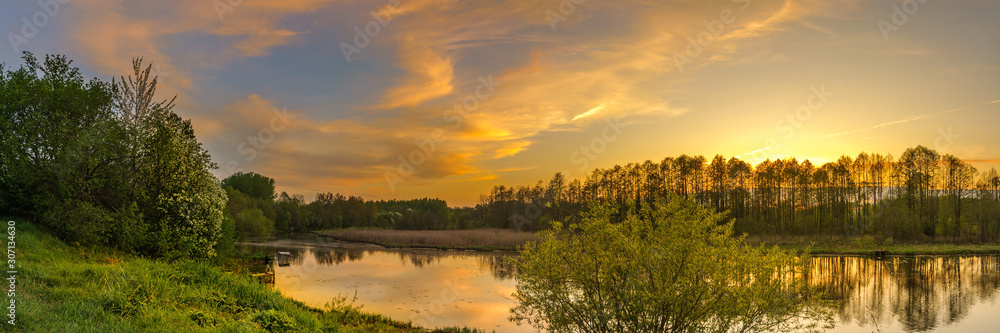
x,y
476,239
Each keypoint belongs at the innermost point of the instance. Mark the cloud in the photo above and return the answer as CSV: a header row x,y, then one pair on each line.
x,y
907,119
606,60
430,77
590,112
305,153
511,149
109,33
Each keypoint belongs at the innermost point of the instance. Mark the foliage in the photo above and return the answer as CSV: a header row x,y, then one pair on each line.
x,y
59,139
101,163
251,184
921,196
668,266
252,223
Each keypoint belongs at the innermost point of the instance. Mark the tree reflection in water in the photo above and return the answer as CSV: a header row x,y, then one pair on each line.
x,y
499,264
922,293
334,256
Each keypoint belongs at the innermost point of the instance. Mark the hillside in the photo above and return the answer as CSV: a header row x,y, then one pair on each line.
x,y
65,288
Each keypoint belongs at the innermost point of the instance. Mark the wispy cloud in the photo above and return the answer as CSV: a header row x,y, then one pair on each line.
x,y
589,113
906,120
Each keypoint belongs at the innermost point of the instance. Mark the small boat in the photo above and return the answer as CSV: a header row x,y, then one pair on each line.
x,y
284,259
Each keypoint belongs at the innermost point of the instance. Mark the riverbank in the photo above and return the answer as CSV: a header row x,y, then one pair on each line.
x,y
510,240
64,288
866,245
475,239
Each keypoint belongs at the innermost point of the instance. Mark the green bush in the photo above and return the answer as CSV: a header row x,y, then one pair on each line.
x,y
668,266
252,223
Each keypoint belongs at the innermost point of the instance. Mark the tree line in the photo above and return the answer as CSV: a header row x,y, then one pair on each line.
x,y
258,212
105,163
921,195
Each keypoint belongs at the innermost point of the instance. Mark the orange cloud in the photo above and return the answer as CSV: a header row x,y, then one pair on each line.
x,y
430,77
511,149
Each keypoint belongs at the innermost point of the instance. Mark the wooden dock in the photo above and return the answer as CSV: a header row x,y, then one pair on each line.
x,y
267,277
281,260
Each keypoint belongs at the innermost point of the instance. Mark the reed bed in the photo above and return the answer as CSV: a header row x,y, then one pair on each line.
x,y
481,239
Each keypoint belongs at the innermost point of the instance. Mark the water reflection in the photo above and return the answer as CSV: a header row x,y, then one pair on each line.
x,y
906,293
445,288
502,266
499,264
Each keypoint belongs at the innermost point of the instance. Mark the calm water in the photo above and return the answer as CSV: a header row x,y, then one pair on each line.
x,y
436,288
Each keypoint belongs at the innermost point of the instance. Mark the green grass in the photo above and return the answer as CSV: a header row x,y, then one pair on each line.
x,y
64,288
866,245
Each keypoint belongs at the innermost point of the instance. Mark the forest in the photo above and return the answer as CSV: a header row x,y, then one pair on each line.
x,y
922,195
259,212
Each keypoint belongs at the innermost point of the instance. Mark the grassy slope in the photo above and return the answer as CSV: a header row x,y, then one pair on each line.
x,y
63,288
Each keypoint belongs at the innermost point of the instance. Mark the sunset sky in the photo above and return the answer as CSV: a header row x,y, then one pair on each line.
x,y
477,93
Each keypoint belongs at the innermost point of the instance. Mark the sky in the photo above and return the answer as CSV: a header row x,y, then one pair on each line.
x,y
448,98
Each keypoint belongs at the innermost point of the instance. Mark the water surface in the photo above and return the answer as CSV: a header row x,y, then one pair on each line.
x,y
435,288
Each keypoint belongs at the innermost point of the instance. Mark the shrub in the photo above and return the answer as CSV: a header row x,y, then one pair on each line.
x,y
670,266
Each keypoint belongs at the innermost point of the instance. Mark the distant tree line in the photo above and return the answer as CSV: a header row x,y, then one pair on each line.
x,y
257,212
921,195
105,163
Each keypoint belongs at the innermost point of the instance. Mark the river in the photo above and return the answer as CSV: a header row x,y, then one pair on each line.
x,y
435,288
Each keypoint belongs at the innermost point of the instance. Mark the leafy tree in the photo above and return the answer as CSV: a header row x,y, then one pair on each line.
x,y
252,223
917,166
62,154
252,184
674,267
101,163
51,120
184,201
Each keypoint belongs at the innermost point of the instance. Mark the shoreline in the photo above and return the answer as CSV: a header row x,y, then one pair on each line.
x,y
827,247
424,247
